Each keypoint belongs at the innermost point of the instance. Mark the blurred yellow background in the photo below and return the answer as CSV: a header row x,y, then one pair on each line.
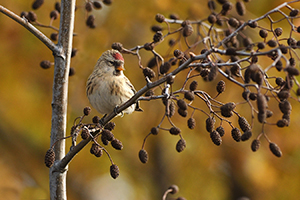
x,y
202,170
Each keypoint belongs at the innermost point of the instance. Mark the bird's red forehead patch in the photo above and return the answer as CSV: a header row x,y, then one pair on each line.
x,y
118,56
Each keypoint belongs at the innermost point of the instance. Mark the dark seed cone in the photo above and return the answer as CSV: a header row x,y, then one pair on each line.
x,y
275,149
240,8
174,130
193,85
157,36
236,134
272,43
244,125
148,73
156,28
107,2
212,19
87,110
182,104
226,110
149,46
107,134
37,4
255,145
90,21
261,45
164,68
182,112
72,71
54,14
97,5
110,126
278,31
292,71
252,96
174,189
154,130
221,86
117,144
216,138
99,153
283,94
45,64
246,135
211,4
246,95
104,140
221,131
88,6
178,54
85,134
171,109
114,171
287,117
210,124
282,123
262,117
213,73
285,107
54,36
261,103
189,95
180,146
57,6
263,33
159,18
117,46
191,123
143,156
170,80
294,12
95,149
187,30
49,157
96,119
279,67
233,22
269,114
253,24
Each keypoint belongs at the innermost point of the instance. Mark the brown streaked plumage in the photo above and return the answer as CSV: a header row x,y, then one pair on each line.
x,y
107,87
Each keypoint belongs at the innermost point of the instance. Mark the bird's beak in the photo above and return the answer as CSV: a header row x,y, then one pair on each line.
x,y
120,68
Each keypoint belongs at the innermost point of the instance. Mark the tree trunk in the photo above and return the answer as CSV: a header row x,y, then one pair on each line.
x,y
57,175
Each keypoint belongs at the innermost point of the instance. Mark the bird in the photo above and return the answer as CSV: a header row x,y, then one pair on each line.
x,y
107,87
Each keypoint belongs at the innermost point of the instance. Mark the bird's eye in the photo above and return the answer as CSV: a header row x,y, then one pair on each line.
x,y
112,62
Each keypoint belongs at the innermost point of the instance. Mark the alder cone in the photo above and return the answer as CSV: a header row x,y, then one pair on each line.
x,y
49,157
255,145
275,149
114,171
210,123
243,123
261,103
236,134
216,138
180,146
37,4
143,156
191,123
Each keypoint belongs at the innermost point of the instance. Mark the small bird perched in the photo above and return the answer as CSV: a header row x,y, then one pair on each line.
x,y
107,87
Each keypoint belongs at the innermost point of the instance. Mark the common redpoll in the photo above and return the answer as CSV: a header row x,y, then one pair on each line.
x,y
107,87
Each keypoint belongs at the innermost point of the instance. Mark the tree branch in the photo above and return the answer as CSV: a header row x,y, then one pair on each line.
x,y
24,22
